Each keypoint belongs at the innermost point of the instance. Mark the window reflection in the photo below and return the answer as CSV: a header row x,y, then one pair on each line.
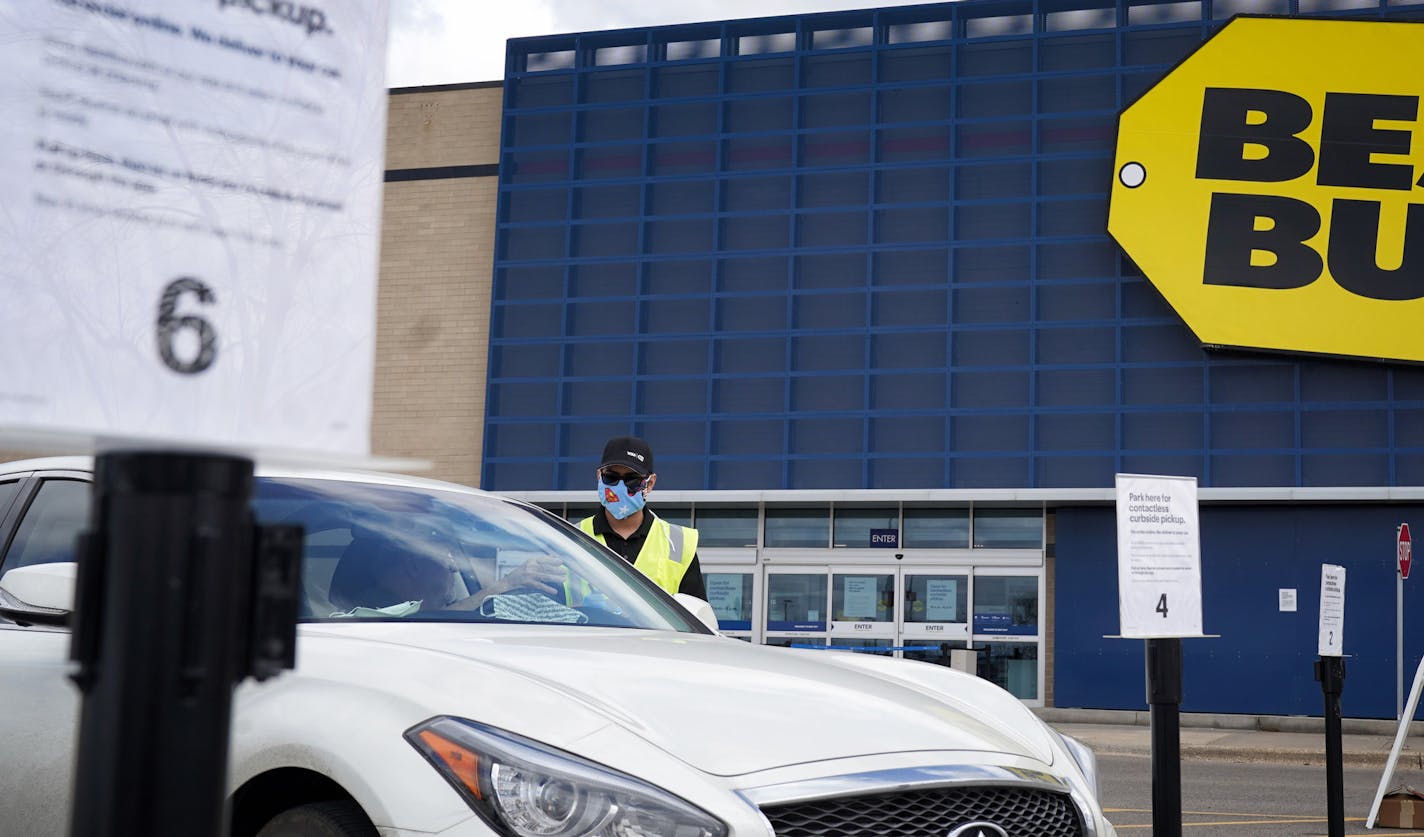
x,y
864,646
1005,605
578,511
1012,665
730,595
936,529
863,598
680,515
1008,529
788,642
51,525
726,527
798,527
796,602
8,490
933,652
853,526
936,598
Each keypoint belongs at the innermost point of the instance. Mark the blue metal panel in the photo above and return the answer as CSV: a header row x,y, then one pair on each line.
x,y
880,216
1262,663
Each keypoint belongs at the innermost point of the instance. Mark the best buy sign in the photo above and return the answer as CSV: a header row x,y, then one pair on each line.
x,y
1272,187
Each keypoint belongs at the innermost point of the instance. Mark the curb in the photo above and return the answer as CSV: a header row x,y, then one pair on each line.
x,y
1282,740
1258,723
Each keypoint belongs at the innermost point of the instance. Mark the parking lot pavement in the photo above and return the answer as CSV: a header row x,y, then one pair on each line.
x,y
1248,738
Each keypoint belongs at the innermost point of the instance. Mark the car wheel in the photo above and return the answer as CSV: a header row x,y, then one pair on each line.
x,y
321,819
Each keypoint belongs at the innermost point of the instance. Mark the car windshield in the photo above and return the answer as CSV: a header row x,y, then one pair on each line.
x,y
387,552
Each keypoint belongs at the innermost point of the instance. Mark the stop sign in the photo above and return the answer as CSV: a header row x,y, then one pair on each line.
x,y
1404,549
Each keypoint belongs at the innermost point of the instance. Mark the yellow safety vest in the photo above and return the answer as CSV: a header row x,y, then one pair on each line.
x,y
666,554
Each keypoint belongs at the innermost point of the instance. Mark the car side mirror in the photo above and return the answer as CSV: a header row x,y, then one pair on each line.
x,y
700,609
40,594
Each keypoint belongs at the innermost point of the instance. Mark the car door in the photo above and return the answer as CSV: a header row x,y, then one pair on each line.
x,y
39,704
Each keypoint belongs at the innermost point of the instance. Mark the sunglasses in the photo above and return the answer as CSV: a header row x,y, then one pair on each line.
x,y
611,477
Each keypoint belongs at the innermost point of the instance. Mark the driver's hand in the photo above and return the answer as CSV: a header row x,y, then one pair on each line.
x,y
543,574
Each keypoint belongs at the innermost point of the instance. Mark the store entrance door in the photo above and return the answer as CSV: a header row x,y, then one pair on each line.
x,y
916,612
979,619
934,621
864,609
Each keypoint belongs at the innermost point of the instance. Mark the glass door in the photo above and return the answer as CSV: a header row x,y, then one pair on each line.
x,y
935,620
863,609
796,606
1006,629
732,594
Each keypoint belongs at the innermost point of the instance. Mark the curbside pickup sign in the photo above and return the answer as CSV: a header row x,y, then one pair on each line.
x,y
190,223
1272,187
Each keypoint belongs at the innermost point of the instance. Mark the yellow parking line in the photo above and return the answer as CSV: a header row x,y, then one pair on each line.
x,y
1216,814
1233,822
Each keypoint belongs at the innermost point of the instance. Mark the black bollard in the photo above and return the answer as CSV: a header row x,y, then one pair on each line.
x,y
1164,697
1330,671
179,597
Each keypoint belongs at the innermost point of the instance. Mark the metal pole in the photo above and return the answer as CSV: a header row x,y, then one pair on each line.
x,y
1164,696
1330,671
161,637
1398,643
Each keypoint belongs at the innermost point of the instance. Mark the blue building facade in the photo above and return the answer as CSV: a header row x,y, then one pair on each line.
x,y
867,251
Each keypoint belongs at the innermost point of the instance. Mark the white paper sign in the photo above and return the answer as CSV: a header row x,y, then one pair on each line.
x,y
190,221
508,560
1332,610
941,600
860,597
724,593
1158,556
1287,600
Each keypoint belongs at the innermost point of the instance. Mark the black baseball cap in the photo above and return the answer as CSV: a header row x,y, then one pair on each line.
x,y
630,452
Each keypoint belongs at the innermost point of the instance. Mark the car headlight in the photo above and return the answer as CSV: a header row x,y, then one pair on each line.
x,y
526,789
1084,757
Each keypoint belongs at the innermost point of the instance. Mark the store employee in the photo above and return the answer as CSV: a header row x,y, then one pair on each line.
x,y
664,552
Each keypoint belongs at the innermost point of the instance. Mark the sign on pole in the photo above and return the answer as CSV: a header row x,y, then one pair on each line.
x,y
190,222
1274,171
1404,549
1158,557
1332,611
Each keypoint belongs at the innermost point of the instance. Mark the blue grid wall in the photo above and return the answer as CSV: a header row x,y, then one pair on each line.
x,y
1263,661
868,249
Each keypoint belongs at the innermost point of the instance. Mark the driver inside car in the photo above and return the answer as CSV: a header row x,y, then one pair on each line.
x,y
381,574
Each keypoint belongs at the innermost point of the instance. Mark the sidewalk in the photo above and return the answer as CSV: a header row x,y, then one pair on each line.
x,y
1255,738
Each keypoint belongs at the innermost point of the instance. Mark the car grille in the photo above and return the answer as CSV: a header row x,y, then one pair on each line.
x,y
1020,812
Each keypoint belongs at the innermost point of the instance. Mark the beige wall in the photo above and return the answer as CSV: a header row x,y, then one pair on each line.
x,y
443,127
432,310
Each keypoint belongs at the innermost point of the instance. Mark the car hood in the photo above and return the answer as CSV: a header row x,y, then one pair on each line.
x,y
727,707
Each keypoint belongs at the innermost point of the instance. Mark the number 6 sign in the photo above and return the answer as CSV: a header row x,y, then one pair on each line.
x,y
194,267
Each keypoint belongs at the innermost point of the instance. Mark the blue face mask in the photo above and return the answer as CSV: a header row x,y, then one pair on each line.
x,y
618,501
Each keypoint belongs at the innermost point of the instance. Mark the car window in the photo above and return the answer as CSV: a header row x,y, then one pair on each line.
x,y
50,525
8,490
383,552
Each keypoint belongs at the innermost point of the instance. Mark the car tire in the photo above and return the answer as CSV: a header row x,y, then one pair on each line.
x,y
321,819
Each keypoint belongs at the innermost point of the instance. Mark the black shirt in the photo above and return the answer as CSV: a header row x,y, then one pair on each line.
x,y
630,547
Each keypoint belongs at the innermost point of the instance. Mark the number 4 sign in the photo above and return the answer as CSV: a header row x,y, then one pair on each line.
x,y
1158,557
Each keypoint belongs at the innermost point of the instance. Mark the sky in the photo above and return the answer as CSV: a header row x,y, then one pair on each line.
x,y
458,41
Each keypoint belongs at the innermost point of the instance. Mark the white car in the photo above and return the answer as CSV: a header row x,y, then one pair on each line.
x,y
434,695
